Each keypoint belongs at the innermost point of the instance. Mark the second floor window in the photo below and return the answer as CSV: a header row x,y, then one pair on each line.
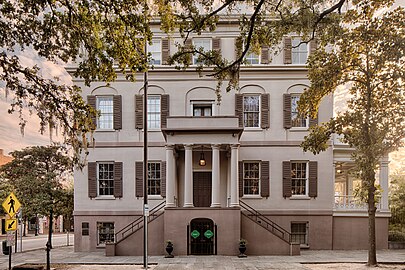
x,y
201,43
299,178
296,119
155,49
105,178
251,178
154,112
106,117
202,109
299,52
252,58
154,177
251,110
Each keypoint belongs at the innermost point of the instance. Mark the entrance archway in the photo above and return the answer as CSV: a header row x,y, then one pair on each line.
x,y
202,237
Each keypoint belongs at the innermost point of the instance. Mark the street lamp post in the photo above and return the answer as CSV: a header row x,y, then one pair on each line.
x,y
145,162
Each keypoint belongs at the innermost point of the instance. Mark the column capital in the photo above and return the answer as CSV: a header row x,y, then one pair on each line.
x,y
235,146
170,146
215,146
188,146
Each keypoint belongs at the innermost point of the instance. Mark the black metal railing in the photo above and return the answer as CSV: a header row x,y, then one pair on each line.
x,y
137,224
266,223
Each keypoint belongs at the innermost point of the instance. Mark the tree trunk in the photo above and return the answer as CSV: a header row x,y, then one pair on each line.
x,y
372,253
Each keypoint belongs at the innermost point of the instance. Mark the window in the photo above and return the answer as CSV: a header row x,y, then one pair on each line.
x,y
202,108
105,179
299,53
296,119
251,178
155,49
299,233
251,111
154,177
105,232
252,58
85,228
154,112
105,106
299,178
201,43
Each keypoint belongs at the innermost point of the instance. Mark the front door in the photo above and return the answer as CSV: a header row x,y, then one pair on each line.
x,y
202,236
202,185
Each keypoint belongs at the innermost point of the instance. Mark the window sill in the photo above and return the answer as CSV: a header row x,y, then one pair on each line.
x,y
300,197
105,130
105,198
251,197
155,197
253,129
299,129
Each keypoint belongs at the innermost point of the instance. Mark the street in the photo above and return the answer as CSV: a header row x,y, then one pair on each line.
x,y
38,242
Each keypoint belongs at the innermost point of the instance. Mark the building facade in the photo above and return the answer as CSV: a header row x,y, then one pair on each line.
x,y
217,171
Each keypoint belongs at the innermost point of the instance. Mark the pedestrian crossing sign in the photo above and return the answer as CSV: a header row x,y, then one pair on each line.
x,y
11,205
11,224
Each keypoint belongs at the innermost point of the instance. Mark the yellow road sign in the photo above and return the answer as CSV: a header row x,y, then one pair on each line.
x,y
11,204
11,224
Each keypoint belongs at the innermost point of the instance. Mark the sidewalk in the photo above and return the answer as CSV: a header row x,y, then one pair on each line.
x,y
66,255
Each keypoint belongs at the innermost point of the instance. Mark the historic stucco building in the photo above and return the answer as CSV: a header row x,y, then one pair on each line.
x,y
256,182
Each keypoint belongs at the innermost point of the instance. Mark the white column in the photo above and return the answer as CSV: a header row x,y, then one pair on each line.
x,y
384,174
215,199
170,176
188,176
234,175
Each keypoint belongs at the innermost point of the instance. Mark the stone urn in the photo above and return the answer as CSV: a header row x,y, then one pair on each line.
x,y
169,249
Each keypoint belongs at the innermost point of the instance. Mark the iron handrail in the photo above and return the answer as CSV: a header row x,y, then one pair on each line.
x,y
138,223
275,229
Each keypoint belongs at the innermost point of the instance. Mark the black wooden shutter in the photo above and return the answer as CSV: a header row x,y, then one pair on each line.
x,y
238,47
92,100
118,179
216,44
117,110
287,111
313,121
265,115
286,179
189,44
264,55
265,179
139,111
313,179
239,108
165,51
163,179
92,179
313,44
164,110
139,179
287,50
240,178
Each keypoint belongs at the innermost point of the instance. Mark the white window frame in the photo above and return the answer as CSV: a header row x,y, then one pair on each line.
x,y
299,55
202,103
251,56
294,113
258,179
258,112
156,115
155,179
156,52
302,223
197,47
306,178
104,113
109,180
99,228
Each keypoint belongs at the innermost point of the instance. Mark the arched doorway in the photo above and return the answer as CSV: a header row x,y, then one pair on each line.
x,y
202,237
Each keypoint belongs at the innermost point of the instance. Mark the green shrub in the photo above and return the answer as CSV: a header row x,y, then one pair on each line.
x,y
396,236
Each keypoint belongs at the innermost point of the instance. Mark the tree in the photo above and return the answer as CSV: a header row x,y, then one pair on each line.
x,y
104,37
37,175
397,201
367,58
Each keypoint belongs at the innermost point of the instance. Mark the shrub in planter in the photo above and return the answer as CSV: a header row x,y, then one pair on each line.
x,y
396,236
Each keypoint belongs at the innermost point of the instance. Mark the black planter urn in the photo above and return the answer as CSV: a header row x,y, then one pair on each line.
x,y
169,250
242,250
